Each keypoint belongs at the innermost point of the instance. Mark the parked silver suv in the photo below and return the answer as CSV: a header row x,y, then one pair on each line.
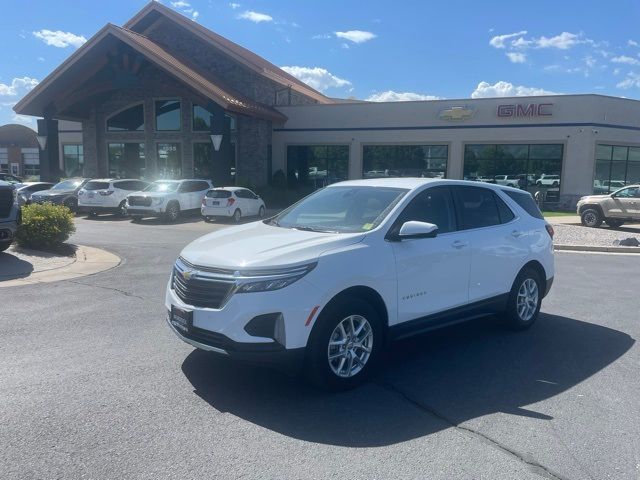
x,y
614,209
9,214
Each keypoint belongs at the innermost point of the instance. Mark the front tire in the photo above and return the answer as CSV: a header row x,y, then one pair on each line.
x,y
524,301
261,212
591,217
71,204
4,245
345,345
237,216
122,209
172,213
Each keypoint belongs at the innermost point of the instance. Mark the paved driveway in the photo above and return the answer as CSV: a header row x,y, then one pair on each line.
x,y
94,385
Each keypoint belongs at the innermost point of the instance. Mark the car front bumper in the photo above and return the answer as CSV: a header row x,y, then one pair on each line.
x,y
145,211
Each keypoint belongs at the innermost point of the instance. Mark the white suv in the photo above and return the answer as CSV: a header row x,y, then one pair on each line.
x,y
167,198
231,202
107,195
326,283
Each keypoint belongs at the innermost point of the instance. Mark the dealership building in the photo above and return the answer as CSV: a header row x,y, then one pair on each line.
x,y
164,97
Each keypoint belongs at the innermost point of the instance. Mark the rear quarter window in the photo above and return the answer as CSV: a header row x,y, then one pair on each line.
x,y
526,201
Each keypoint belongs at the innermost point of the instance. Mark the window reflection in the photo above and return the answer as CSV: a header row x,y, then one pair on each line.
x,y
616,166
428,161
316,166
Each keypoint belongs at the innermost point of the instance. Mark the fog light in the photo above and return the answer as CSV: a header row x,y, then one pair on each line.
x,y
270,325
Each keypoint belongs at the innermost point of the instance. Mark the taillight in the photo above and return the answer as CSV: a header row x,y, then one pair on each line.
x,y
230,201
204,201
550,230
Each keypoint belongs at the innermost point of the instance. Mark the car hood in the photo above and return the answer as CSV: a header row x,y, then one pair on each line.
x,y
590,198
258,245
53,193
149,194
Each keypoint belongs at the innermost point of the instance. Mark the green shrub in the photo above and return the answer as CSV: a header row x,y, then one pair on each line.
x,y
44,226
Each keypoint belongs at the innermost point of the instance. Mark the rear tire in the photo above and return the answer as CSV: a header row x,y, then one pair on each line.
x,y
237,216
71,204
591,217
524,301
122,209
326,355
614,223
261,212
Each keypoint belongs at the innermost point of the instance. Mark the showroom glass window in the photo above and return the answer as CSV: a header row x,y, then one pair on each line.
x,y
126,160
31,162
315,166
616,166
129,120
168,115
428,161
169,160
202,119
73,160
202,160
530,167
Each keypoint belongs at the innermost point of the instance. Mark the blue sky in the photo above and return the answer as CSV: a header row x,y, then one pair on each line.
x,y
373,49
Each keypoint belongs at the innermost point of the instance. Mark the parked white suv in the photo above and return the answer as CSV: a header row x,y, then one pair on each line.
x,y
548,180
327,282
231,202
107,195
508,180
167,198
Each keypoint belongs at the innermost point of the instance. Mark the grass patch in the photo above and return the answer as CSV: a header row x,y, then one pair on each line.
x,y
557,214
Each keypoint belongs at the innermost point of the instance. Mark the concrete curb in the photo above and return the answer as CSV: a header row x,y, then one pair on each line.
x,y
88,260
591,248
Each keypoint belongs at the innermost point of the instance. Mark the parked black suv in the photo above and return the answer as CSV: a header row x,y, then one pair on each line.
x,y
63,193
9,214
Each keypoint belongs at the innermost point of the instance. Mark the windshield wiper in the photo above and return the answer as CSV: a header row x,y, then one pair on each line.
x,y
312,229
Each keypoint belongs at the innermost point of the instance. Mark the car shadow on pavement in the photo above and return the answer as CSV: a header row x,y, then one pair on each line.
x,y
12,267
427,384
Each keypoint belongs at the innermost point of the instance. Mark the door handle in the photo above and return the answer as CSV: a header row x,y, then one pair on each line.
x,y
517,233
459,244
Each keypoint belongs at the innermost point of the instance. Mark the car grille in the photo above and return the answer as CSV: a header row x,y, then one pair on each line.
x,y
200,291
137,201
6,201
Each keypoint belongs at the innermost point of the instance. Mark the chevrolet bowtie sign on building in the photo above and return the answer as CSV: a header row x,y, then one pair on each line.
x,y
457,114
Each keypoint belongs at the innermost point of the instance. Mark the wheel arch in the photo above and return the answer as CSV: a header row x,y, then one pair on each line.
x,y
595,206
539,268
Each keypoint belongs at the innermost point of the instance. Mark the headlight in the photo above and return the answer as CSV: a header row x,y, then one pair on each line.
x,y
272,280
158,201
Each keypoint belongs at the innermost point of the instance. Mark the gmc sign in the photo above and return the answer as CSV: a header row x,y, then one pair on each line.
x,y
525,110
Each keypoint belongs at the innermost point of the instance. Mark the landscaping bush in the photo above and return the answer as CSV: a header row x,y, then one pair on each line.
x,y
44,226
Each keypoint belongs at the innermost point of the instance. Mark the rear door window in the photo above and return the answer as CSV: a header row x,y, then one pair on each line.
x,y
506,215
476,207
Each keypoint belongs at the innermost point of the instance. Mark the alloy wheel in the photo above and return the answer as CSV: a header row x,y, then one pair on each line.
x,y
350,346
527,302
590,218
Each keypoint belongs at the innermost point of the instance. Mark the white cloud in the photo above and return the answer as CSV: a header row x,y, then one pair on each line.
x,y
616,71
392,96
180,4
356,36
632,43
506,89
626,60
185,7
322,36
517,57
563,41
234,6
41,59
316,77
632,80
499,41
59,38
18,86
25,120
255,17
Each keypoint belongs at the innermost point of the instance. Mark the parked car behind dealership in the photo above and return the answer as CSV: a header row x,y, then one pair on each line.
x,y
167,198
9,214
63,193
9,178
107,195
29,188
323,285
232,202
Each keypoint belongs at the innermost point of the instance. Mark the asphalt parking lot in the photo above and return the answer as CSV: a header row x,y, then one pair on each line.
x,y
94,385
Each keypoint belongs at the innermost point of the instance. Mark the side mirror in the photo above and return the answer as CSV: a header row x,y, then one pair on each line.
x,y
415,229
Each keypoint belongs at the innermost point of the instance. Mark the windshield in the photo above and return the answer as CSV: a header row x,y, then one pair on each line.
x,y
218,194
341,209
162,187
67,185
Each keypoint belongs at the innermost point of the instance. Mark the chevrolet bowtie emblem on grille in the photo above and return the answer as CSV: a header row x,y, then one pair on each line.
x,y
457,113
187,274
